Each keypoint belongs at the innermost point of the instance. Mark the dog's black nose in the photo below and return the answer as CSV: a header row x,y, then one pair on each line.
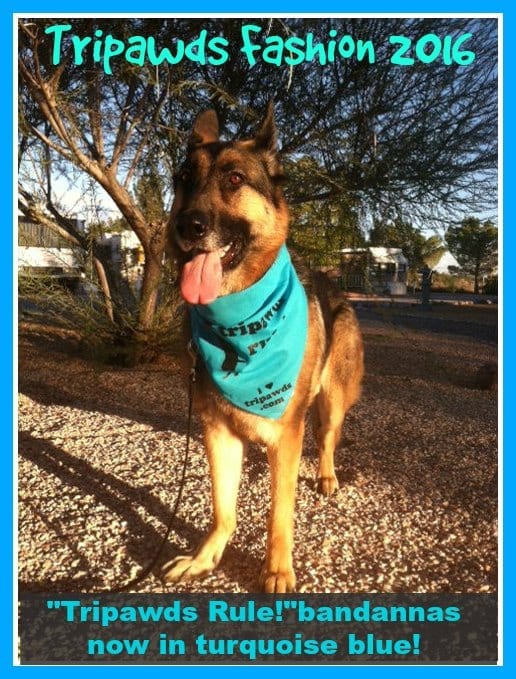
x,y
193,224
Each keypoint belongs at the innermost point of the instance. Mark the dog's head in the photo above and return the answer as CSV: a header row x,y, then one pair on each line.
x,y
229,217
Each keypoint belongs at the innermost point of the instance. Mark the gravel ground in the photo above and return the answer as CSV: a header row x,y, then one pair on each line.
x,y
100,452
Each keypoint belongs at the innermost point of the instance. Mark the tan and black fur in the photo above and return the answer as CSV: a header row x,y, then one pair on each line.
x,y
230,194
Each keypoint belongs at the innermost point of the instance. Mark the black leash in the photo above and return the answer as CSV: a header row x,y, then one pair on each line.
x,y
147,570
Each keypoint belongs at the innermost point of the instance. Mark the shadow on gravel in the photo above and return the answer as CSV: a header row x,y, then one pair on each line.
x,y
54,394
122,499
93,386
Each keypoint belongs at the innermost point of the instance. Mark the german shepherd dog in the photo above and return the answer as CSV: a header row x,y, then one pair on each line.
x,y
228,222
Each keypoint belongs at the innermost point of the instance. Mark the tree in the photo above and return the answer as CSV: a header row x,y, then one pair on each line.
x,y
103,127
475,245
355,136
321,228
421,137
400,233
150,194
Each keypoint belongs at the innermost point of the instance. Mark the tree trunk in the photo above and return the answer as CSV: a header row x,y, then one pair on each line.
x,y
104,285
477,276
154,247
150,288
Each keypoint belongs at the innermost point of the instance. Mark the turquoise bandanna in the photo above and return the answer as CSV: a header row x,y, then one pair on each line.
x,y
253,342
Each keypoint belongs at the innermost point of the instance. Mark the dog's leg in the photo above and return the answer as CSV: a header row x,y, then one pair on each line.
x,y
278,574
225,454
331,412
339,390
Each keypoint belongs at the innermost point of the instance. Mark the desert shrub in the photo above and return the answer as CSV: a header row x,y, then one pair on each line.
x,y
451,283
78,306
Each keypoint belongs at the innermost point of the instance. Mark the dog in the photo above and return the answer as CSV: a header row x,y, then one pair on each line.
x,y
227,232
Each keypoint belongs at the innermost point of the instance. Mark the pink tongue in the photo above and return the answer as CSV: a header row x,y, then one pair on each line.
x,y
201,278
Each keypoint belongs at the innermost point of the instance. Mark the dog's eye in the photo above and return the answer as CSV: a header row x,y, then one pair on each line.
x,y
182,177
235,179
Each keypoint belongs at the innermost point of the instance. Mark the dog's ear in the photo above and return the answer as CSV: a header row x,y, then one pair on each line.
x,y
266,141
266,138
205,129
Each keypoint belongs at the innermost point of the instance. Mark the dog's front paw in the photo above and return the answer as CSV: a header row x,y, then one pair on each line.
x,y
327,485
185,568
279,582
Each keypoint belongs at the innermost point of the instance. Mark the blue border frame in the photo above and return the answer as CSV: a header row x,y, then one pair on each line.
x,y
508,9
